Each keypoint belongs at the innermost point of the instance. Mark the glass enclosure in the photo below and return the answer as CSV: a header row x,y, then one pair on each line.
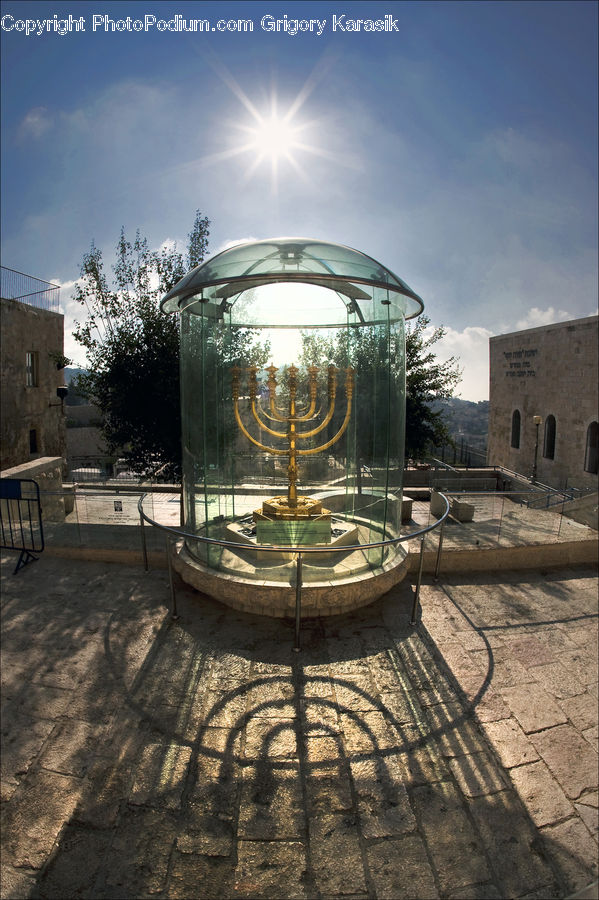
x,y
293,406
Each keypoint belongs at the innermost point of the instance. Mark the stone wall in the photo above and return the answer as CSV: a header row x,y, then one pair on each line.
x,y
548,371
47,472
27,408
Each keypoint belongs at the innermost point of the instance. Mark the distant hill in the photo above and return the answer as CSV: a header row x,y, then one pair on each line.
x,y
466,419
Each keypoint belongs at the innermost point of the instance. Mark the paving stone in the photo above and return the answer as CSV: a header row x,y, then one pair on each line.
x,y
271,804
106,785
510,743
544,799
366,732
324,753
191,873
529,650
222,709
490,707
17,884
571,759
456,850
582,662
477,774
418,758
328,793
340,872
355,693
75,863
582,711
271,869
211,836
507,670
161,775
401,707
318,716
70,748
556,678
383,802
22,740
573,851
455,732
534,708
136,863
590,817
271,738
218,752
591,735
400,868
44,702
35,815
479,892
508,835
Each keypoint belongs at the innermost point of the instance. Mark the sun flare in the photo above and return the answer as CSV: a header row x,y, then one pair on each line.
x,y
274,137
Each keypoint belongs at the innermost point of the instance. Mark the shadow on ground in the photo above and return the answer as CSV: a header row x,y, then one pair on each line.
x,y
202,758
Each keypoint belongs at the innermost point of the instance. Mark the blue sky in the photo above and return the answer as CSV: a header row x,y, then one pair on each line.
x,y
459,148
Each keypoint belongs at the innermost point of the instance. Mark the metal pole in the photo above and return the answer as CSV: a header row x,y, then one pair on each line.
x,y
438,563
144,549
418,580
298,602
174,614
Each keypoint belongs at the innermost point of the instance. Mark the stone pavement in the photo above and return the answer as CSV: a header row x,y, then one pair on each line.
x,y
202,758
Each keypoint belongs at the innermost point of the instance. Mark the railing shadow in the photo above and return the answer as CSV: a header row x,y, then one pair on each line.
x,y
214,763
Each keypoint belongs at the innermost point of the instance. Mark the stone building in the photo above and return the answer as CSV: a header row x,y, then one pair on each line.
x,y
33,421
543,395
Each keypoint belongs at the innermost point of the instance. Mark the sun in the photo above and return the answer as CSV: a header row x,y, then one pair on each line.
x,y
270,136
274,137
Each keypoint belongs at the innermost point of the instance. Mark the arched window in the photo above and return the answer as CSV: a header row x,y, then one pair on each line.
x,y
591,456
549,442
516,429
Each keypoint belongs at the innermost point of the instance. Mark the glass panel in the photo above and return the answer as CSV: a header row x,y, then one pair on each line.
x,y
305,420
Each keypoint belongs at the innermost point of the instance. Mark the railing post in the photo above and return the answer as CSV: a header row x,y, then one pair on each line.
x,y
144,549
418,580
171,581
298,602
440,548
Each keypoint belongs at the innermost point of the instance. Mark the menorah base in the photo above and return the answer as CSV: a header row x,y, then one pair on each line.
x,y
278,508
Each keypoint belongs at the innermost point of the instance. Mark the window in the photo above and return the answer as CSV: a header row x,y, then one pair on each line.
x,y
31,369
33,440
516,429
549,441
591,456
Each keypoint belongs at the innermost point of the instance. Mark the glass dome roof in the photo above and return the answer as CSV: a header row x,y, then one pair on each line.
x,y
244,267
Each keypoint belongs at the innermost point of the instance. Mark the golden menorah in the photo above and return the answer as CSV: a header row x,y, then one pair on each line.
x,y
292,506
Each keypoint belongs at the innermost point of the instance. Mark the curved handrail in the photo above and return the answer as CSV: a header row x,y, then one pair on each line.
x,y
275,548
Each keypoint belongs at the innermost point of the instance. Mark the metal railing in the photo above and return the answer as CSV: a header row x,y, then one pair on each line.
x,y
28,289
21,526
178,534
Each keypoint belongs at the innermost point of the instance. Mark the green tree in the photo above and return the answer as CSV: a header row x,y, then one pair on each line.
x,y
133,348
427,380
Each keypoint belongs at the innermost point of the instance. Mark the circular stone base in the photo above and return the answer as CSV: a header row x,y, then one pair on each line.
x,y
323,597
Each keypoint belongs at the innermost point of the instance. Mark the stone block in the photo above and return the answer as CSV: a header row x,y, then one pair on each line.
x,y
463,512
406,510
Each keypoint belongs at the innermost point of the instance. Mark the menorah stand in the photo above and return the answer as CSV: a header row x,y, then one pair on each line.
x,y
290,518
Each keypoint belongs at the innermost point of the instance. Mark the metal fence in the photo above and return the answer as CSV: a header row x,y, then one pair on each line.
x,y
28,289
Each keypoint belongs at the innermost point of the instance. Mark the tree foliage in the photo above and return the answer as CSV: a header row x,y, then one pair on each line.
x,y
133,348
427,379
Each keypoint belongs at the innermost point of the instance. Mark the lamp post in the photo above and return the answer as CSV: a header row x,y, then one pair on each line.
x,y
537,420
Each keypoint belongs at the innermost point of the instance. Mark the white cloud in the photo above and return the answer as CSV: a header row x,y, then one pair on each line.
x,y
35,124
537,317
471,346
